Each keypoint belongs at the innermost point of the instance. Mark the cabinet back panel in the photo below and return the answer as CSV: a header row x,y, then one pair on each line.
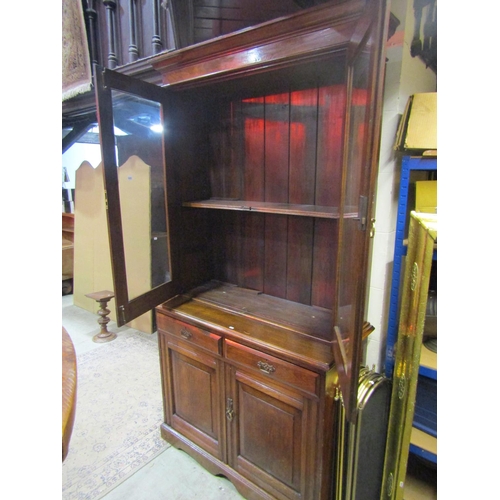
x,y
282,148
288,257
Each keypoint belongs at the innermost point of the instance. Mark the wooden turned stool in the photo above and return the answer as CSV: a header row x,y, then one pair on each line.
x,y
103,298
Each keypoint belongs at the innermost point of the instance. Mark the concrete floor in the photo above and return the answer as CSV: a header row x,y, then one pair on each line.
x,y
173,475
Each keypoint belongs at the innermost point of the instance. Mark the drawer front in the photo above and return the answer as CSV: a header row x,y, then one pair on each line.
x,y
190,333
274,368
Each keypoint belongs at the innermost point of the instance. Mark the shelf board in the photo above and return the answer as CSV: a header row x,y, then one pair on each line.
x,y
428,363
428,358
423,441
267,207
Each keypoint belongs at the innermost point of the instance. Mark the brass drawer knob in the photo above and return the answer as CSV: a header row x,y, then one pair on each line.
x,y
266,367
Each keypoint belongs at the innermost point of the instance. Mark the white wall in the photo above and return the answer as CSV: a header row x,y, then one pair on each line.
x,y
405,76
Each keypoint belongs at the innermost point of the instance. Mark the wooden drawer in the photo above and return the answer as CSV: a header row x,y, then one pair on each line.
x,y
274,368
190,333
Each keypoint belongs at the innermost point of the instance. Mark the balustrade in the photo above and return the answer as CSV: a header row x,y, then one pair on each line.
x,y
123,32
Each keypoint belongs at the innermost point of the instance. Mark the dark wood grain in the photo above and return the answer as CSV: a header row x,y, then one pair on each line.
x,y
269,141
278,389
194,392
324,263
300,244
331,120
280,41
266,207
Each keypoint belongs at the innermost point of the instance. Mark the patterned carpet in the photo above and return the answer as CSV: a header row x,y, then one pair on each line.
x,y
118,416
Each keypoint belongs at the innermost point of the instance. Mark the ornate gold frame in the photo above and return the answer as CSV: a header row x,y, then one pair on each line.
x,y
422,239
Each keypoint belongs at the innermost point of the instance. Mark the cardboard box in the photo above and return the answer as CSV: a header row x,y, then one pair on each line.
x,y
417,130
426,197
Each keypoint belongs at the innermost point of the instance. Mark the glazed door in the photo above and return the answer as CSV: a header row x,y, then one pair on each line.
x,y
139,200
360,164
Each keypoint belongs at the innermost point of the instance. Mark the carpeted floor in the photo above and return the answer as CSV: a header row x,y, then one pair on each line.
x,y
118,417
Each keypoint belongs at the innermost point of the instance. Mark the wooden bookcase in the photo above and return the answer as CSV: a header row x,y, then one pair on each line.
x,y
264,173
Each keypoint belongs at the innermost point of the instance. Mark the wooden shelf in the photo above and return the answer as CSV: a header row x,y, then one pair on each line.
x,y
266,207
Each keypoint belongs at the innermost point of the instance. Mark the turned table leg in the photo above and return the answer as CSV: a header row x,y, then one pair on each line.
x,y
103,298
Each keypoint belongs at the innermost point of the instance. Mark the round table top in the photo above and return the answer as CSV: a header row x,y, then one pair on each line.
x,y
68,390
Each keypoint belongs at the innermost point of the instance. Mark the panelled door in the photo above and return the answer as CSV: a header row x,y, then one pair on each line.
x,y
194,395
272,429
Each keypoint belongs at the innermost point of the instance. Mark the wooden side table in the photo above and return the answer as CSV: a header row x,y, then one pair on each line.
x,y
103,297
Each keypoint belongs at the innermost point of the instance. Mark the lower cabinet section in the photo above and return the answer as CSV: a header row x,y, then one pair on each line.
x,y
263,422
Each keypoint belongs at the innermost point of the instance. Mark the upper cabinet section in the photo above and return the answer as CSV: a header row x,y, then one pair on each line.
x,y
321,31
269,152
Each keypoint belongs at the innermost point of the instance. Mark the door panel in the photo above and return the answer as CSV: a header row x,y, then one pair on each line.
x,y
270,434
195,400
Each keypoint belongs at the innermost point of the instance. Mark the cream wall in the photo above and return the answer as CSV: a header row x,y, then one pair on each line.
x,y
405,76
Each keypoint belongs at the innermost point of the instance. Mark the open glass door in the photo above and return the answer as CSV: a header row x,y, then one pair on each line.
x,y
131,117
359,152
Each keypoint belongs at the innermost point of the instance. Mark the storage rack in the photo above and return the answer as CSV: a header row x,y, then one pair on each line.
x,y
424,434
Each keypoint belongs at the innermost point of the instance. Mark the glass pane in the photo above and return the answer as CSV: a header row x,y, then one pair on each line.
x,y
348,321
358,127
139,152
356,187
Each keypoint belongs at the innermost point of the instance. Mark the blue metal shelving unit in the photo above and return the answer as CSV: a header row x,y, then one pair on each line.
x,y
420,452
409,164
425,416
